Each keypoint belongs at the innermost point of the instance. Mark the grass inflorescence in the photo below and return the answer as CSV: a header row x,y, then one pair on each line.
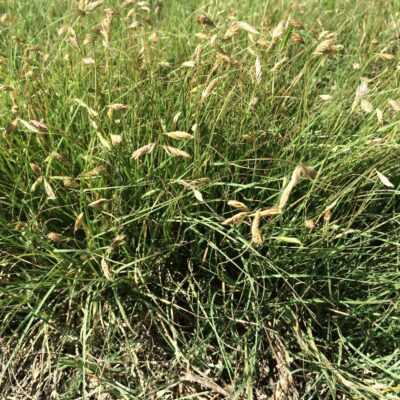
x,y
199,199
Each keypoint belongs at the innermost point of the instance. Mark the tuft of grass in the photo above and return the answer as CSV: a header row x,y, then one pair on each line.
x,y
199,199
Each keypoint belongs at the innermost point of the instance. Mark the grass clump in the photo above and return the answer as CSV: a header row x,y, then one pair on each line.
x,y
199,200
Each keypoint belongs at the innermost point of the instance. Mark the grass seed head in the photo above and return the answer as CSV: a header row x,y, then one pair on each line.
x,y
35,169
179,135
19,225
384,180
56,237
98,203
269,212
235,219
310,224
142,151
78,222
48,190
296,24
255,230
395,105
73,41
238,205
173,151
116,140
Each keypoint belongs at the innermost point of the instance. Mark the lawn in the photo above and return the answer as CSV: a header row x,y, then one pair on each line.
x,y
199,199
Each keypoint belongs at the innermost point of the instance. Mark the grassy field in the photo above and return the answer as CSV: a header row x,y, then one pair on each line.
x,y
199,199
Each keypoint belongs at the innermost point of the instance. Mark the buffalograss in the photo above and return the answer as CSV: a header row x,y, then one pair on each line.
x,y
118,276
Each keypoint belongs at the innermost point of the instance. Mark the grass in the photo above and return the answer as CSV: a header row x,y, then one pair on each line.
x,y
119,278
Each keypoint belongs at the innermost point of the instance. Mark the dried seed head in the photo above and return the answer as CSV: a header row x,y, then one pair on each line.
x,y
235,219
198,195
48,190
279,63
35,169
248,138
269,212
19,225
366,106
205,20
116,140
128,3
87,40
39,125
379,115
69,183
255,230
118,106
395,105
134,25
93,5
106,270
327,215
327,47
296,175
209,89
238,205
189,64
143,151
154,38
56,237
78,222
310,224
10,128
179,135
165,64
296,24
64,29
297,38
73,41
232,31
88,61
386,56
118,240
97,203
384,180
279,30
244,26
175,152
